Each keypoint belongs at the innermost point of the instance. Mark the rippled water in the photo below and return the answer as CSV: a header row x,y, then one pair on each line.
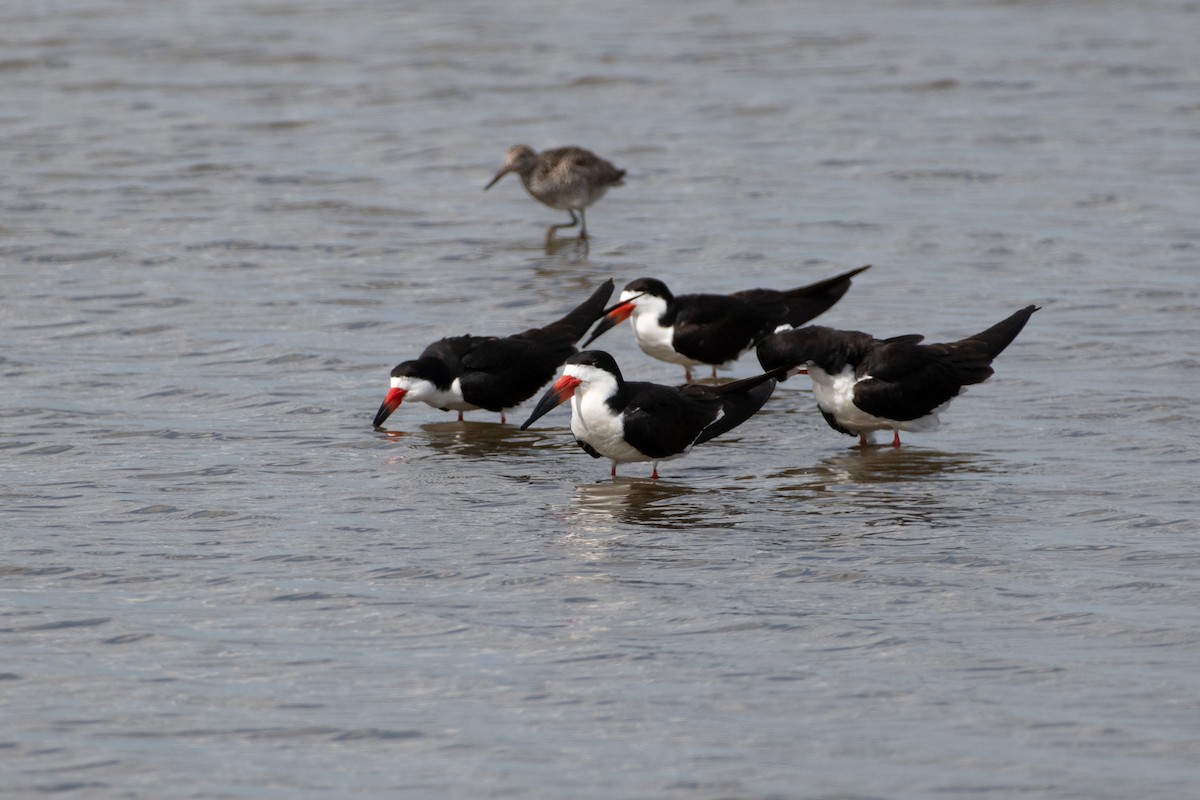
x,y
224,222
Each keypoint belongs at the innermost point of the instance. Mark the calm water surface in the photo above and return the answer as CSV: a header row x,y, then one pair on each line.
x,y
224,222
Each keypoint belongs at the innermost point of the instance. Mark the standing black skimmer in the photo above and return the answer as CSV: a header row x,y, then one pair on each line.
x,y
566,178
635,421
714,329
467,373
863,384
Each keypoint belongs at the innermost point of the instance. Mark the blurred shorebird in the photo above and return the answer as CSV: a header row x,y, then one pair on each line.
x,y
566,178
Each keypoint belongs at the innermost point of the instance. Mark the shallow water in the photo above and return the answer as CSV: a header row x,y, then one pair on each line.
x,y
225,222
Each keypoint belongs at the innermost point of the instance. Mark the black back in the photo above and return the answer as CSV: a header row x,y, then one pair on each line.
x,y
900,378
442,362
715,329
663,421
828,348
909,379
501,373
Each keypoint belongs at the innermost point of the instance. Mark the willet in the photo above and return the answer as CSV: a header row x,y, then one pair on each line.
x,y
566,178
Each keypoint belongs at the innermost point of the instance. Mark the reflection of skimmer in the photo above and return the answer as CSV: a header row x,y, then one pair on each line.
x,y
887,487
668,505
478,440
887,465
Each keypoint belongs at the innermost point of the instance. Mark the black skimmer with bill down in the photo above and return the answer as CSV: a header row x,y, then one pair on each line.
x,y
714,329
863,384
468,373
566,178
629,421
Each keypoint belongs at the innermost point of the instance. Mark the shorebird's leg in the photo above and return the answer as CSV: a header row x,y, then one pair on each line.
x,y
714,371
614,469
895,438
550,231
654,474
503,421
862,440
687,374
583,225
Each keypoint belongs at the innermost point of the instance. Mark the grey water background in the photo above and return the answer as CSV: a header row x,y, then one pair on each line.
x,y
224,222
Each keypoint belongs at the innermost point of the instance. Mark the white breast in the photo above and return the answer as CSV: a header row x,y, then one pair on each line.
x,y
592,421
426,392
654,339
835,395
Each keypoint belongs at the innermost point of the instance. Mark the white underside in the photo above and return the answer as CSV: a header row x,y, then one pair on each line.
x,y
424,391
655,340
592,421
835,396
601,429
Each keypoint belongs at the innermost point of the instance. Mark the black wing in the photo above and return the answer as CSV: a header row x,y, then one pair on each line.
x,y
451,351
808,302
740,400
911,379
906,380
662,421
715,329
502,373
830,349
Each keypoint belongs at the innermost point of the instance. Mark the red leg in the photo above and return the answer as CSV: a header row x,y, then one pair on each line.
x,y
862,440
654,474
614,469
895,438
714,372
687,374
502,419
460,416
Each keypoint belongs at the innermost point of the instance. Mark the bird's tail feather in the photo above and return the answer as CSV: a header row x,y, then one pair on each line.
x,y
580,319
807,302
740,400
1001,335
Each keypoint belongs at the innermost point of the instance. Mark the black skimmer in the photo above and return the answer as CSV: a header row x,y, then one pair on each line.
x,y
635,421
714,329
566,178
863,384
468,373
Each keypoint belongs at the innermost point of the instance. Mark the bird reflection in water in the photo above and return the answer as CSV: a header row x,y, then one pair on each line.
x,y
888,488
575,250
659,503
477,440
890,465
394,436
